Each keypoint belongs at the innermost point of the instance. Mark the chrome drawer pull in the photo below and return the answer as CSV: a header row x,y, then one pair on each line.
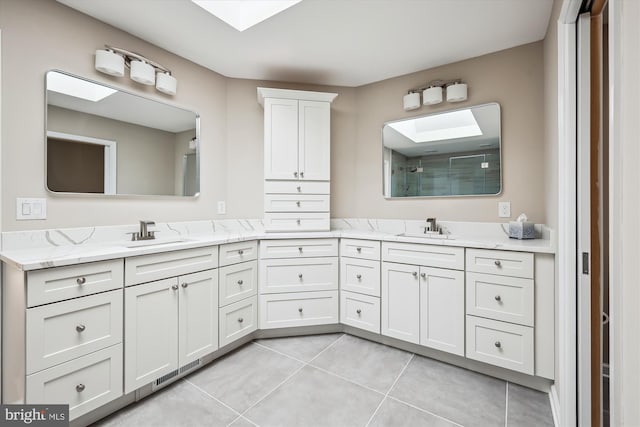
x,y
240,320
80,388
498,298
301,174
80,328
298,203
423,275
240,252
81,280
300,249
174,287
240,282
358,276
497,344
358,311
300,275
295,174
299,189
184,285
359,250
415,274
298,221
300,310
497,263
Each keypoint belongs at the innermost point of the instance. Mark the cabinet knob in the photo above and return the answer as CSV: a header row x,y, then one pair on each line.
x,y
184,285
497,344
240,282
498,263
240,320
299,189
298,221
415,274
295,174
174,287
358,276
240,252
81,280
299,275
358,311
498,298
300,310
80,388
423,275
80,328
359,250
298,203
301,174
300,248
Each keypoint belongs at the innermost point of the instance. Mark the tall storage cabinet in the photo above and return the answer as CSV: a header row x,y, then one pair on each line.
x,y
297,150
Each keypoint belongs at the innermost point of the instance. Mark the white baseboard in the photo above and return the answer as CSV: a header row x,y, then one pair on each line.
x,y
554,400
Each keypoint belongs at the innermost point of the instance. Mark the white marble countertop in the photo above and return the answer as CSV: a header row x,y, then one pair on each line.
x,y
36,256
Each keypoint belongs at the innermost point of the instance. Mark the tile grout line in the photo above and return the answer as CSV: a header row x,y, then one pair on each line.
x,y
404,368
333,374
425,411
506,405
212,397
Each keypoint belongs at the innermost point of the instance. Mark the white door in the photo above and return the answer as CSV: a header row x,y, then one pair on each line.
x,y
150,332
198,315
442,309
280,138
314,140
401,302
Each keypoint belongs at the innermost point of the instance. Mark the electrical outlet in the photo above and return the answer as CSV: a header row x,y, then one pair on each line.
x,y
504,209
222,207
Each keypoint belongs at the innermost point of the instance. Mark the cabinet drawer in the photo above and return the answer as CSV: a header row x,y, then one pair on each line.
x,y
502,344
238,319
237,282
426,255
295,275
60,283
355,248
233,253
69,329
147,268
360,311
360,275
298,248
296,187
504,263
84,384
296,203
302,221
298,309
510,299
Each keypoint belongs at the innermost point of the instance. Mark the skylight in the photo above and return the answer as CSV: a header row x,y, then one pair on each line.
x,y
456,124
243,14
78,88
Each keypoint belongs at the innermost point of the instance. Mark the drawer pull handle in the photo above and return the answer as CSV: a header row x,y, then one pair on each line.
x,y
299,189
184,285
81,280
240,252
240,320
299,275
80,388
358,311
415,274
358,276
300,248
298,221
497,344
174,287
498,298
497,263
359,250
301,174
300,310
80,328
240,282
423,275
298,203
295,174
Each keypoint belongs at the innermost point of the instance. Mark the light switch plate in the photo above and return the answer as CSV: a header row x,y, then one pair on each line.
x,y
504,209
222,207
31,208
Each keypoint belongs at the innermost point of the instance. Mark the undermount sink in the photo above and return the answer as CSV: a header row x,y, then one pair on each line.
x,y
155,242
434,236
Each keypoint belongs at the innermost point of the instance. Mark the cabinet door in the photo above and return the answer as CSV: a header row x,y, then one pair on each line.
x,y
198,315
280,138
401,302
442,309
150,332
314,140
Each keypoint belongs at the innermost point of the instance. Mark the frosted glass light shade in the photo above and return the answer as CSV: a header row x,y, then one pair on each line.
x,y
166,83
142,72
432,95
457,92
109,62
411,101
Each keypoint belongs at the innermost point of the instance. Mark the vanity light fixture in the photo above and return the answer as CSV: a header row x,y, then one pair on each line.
x,y
112,61
432,93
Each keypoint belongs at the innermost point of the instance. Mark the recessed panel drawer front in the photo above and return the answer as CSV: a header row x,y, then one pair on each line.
x,y
504,263
238,319
147,268
298,221
233,253
296,187
69,329
295,275
298,309
238,282
360,311
360,275
84,384
510,299
298,248
425,255
60,283
499,343
356,248
296,203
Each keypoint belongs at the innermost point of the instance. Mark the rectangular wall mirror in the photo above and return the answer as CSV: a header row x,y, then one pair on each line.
x,y
448,153
105,141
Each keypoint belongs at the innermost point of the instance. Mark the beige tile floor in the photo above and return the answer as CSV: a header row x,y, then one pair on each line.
x,y
335,380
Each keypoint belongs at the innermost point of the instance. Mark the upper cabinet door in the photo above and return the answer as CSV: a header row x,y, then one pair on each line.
x,y
281,139
314,140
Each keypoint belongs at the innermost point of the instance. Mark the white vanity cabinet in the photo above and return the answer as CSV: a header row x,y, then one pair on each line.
x,y
422,303
63,342
298,281
297,149
169,323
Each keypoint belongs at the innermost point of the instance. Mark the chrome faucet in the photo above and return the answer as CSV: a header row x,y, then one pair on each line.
x,y
431,227
144,233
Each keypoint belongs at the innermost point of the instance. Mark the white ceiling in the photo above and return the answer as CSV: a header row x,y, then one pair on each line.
x,y
333,42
